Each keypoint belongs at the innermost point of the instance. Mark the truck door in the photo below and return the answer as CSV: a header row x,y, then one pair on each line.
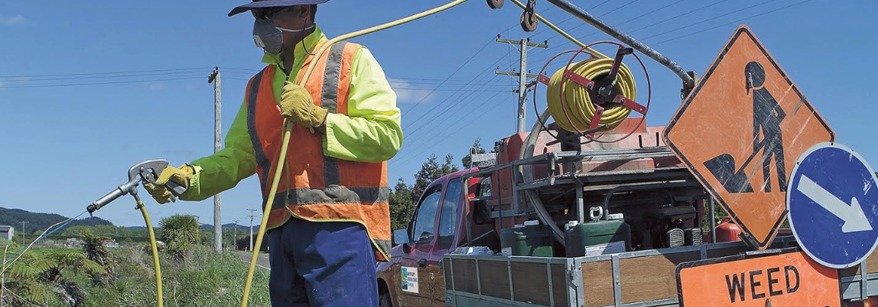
x,y
448,221
412,289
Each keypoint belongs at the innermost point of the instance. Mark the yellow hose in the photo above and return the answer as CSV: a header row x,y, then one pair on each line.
x,y
576,100
155,253
288,126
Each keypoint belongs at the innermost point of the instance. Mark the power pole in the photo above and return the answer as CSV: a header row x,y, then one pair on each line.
x,y
217,146
252,214
23,239
3,278
235,236
521,74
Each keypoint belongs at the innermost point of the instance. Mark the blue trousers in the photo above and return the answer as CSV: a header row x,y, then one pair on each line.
x,y
321,264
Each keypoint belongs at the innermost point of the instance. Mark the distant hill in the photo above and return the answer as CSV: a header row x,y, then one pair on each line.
x,y
41,221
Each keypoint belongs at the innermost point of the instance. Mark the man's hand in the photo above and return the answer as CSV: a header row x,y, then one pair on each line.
x,y
181,176
296,105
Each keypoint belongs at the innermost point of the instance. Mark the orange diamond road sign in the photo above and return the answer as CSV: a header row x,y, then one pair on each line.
x,y
740,132
789,279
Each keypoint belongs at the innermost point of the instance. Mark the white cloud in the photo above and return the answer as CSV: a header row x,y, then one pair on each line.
x,y
12,20
409,93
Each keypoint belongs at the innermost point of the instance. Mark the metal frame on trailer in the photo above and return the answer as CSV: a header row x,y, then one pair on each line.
x,y
574,278
852,287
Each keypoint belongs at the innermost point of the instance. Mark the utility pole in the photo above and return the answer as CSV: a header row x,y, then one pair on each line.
x,y
521,74
252,214
217,146
3,277
235,236
23,239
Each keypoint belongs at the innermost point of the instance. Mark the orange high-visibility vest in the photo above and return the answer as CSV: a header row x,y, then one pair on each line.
x,y
314,186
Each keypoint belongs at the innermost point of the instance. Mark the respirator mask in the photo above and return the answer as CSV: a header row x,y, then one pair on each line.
x,y
270,37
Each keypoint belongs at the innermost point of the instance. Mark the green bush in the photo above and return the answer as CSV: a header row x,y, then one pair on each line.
x,y
179,232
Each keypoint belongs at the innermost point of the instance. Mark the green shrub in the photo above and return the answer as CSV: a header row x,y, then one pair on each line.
x,y
179,232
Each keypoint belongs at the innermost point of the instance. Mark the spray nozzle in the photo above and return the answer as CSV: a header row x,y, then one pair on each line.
x,y
146,171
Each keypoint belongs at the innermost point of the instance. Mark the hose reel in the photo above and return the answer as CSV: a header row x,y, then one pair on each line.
x,y
593,95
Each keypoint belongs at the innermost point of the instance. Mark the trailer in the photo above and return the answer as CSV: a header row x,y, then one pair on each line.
x,y
648,277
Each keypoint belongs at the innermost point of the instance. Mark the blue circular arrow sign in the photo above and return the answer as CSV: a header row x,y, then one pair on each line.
x,y
832,200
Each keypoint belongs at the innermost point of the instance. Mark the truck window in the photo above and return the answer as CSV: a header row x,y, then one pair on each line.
x,y
426,218
447,222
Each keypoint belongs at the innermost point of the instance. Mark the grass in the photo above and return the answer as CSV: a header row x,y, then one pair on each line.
x,y
202,278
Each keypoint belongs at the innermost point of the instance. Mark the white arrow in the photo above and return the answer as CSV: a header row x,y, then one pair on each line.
x,y
852,215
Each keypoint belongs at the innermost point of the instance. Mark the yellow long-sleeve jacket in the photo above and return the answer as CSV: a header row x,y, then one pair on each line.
x,y
370,132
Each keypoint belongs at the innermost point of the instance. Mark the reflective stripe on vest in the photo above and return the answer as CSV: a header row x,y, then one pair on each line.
x,y
315,186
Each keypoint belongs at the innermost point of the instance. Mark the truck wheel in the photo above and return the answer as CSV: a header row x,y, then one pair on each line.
x,y
384,299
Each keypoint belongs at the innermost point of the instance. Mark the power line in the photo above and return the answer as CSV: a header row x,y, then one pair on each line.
x,y
732,22
571,18
46,233
452,107
538,52
450,122
420,148
708,19
433,81
56,78
109,73
651,12
446,99
583,23
97,83
676,16
449,77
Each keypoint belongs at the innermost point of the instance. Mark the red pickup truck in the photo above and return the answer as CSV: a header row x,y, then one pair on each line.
x,y
413,276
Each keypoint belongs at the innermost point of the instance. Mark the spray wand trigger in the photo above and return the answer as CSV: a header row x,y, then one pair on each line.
x,y
150,170
146,171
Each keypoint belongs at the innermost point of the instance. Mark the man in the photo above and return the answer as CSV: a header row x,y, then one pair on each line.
x,y
330,220
767,116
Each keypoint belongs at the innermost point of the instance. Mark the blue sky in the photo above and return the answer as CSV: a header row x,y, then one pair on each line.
x,y
70,131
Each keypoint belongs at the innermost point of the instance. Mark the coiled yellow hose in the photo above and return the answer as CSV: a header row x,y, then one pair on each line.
x,y
573,111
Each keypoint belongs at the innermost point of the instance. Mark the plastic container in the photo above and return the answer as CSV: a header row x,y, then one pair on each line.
x,y
526,240
727,231
580,236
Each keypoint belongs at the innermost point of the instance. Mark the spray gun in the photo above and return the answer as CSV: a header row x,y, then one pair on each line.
x,y
146,171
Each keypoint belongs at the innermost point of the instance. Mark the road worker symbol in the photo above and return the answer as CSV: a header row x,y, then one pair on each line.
x,y
738,130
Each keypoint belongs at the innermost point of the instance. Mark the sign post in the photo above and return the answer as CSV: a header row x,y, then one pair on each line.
x,y
739,131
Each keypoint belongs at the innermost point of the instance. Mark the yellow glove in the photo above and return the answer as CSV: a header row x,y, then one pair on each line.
x,y
296,105
181,176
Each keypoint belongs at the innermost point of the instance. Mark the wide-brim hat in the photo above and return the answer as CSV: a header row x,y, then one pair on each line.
x,y
272,3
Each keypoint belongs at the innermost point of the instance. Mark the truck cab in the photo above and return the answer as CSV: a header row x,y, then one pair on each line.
x,y
413,276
